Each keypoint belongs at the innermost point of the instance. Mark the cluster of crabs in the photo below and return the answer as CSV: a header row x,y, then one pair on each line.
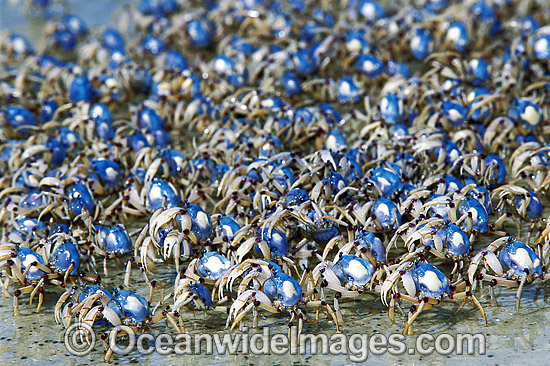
x,y
275,157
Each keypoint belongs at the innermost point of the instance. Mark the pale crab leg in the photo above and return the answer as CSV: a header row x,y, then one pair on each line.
x,y
520,289
67,273
408,326
337,308
38,286
329,311
467,295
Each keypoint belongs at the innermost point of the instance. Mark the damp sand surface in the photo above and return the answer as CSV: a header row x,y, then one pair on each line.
x,y
510,337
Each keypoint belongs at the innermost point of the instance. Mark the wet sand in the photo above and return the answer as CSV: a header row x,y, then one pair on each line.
x,y
511,337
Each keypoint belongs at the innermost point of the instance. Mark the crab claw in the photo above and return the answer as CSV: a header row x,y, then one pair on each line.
x,y
408,283
238,315
387,286
59,305
107,313
244,248
389,283
494,263
473,266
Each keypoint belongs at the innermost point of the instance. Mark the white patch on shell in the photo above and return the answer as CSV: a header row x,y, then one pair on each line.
x,y
448,85
111,238
357,269
453,155
454,115
457,239
193,33
111,173
112,83
368,66
100,236
220,66
384,209
368,11
384,104
146,118
178,160
344,88
19,45
415,42
276,238
473,211
354,45
289,290
228,230
202,220
522,258
541,45
431,281
453,34
384,183
266,147
331,143
268,103
155,192
531,116
474,64
71,138
133,304
29,259
215,264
